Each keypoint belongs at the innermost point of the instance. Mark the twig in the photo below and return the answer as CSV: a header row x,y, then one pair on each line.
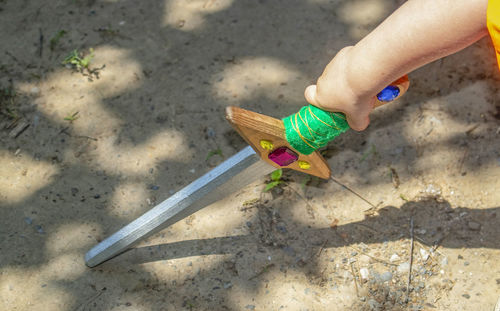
x,y
264,270
91,299
87,137
470,130
354,277
352,191
14,58
359,274
372,257
352,272
20,127
462,160
65,131
367,227
40,48
411,261
322,247
310,210
435,245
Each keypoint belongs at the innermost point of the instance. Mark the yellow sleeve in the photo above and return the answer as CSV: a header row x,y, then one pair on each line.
x,y
493,23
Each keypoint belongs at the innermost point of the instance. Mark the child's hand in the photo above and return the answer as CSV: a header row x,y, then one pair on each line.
x,y
417,33
333,92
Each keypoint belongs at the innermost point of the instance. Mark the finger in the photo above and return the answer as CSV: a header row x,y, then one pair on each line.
x,y
310,95
358,123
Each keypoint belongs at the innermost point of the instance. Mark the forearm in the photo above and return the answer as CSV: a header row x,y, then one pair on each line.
x,y
419,32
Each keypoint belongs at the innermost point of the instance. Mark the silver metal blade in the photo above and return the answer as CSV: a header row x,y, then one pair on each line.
x,y
231,175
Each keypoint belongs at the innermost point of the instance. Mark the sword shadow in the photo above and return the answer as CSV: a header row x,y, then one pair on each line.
x,y
444,226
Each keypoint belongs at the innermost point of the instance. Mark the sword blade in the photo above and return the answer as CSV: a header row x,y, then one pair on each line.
x,y
231,175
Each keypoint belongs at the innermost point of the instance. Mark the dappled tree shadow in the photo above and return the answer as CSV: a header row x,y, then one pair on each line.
x,y
178,89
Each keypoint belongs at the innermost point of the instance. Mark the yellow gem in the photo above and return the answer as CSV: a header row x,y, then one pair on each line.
x,y
304,165
266,144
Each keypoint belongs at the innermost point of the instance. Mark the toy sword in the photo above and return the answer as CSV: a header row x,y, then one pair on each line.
x,y
288,143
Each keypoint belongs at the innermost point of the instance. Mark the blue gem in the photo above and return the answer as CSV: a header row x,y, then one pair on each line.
x,y
388,94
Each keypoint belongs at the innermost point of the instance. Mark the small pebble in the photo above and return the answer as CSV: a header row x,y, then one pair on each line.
x,y
39,229
228,285
250,307
373,304
28,220
282,229
364,273
404,267
153,187
363,246
466,263
394,258
34,90
444,261
424,254
474,225
289,251
386,276
210,132
466,296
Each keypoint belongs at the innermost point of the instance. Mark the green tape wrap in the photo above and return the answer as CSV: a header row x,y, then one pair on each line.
x,y
312,128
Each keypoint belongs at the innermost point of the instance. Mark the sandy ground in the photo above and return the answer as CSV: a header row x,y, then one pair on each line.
x,y
151,110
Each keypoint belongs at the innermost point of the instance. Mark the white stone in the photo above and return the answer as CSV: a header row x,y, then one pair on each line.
x,y
404,267
34,90
394,258
424,254
364,273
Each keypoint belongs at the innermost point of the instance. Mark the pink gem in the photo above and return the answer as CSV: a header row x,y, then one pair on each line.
x,y
283,156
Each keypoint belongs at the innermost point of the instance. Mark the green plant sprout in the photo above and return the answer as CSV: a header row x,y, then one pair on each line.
x,y
75,59
7,104
211,153
275,179
369,152
72,117
55,39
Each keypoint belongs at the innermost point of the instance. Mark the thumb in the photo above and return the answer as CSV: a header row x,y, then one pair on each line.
x,y
358,123
310,95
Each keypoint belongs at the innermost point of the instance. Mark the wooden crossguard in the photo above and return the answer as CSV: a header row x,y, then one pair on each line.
x,y
266,135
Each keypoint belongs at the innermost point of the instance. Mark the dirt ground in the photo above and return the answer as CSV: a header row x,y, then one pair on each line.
x,y
83,152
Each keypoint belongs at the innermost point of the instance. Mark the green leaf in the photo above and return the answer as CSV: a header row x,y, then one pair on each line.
x,y
276,175
403,197
272,184
211,153
55,40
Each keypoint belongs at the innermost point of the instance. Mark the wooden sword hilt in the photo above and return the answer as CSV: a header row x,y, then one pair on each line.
x,y
267,137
